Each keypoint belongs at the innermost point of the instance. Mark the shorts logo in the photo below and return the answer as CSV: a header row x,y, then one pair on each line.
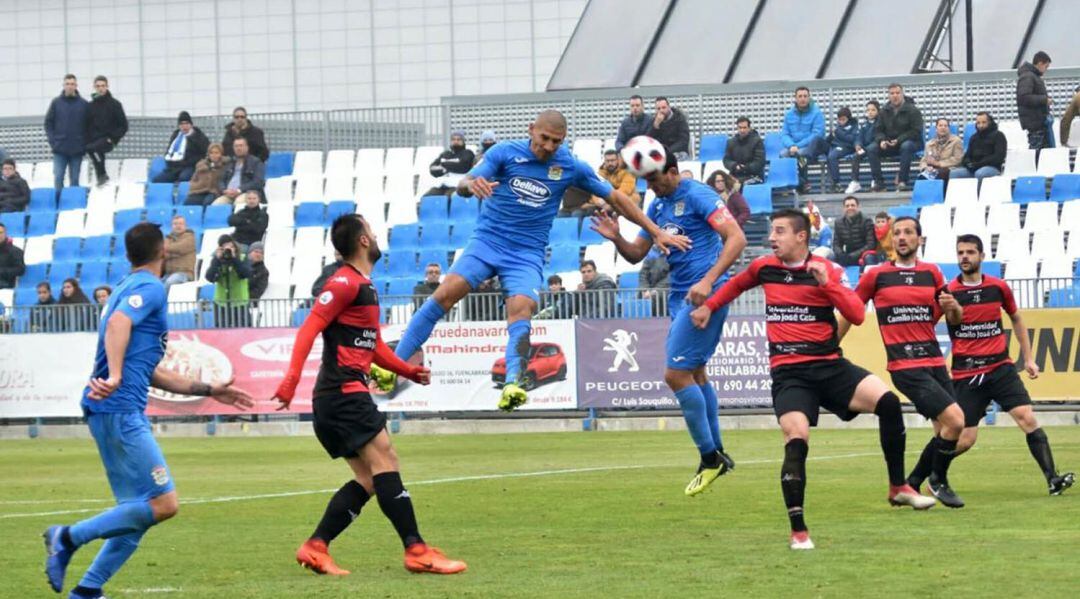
x,y
680,208
135,301
326,297
530,190
160,476
555,173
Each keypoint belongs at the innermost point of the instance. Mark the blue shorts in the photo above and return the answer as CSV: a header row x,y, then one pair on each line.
x,y
520,272
133,461
689,347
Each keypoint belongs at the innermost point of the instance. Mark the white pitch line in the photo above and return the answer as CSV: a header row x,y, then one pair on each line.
x,y
437,481
150,590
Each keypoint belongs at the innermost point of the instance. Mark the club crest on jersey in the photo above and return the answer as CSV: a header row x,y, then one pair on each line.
x,y
680,208
160,476
326,297
788,277
555,173
530,191
135,301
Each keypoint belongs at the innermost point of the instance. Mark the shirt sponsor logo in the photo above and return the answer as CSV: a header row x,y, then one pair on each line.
x,y
530,190
135,301
326,297
672,229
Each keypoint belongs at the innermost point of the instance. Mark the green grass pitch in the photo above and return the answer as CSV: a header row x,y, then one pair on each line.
x,y
567,515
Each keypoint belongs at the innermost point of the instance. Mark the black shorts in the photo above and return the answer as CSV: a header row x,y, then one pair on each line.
x,y
346,423
929,389
810,386
1001,384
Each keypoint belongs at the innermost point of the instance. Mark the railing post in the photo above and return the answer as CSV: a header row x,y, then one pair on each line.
x,y
34,429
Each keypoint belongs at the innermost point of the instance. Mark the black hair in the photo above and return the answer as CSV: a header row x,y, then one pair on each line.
x,y
845,112
585,263
851,198
882,214
897,85
918,225
101,78
664,98
3,227
874,103
143,243
44,284
1040,57
240,108
10,161
799,220
637,97
610,152
801,88
554,279
70,76
670,161
941,118
743,119
343,234
969,238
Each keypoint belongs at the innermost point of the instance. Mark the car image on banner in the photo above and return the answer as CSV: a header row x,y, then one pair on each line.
x,y
547,363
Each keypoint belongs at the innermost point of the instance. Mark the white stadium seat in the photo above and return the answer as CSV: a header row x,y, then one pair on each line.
x,y
1004,218
309,244
570,279
1070,211
399,161
423,158
1020,163
278,190
691,165
711,167
43,174
1041,216
1053,161
133,170
339,164
279,241
71,223
603,255
369,162
309,188
307,163
590,150
130,195
38,249
1020,275
184,292
1015,136
935,220
99,220
402,210
1012,247
962,191
339,187
101,197
280,215
994,190
968,216
1047,244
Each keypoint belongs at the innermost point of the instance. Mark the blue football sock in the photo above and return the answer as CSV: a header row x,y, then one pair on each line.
x,y
419,329
517,349
712,410
123,519
110,558
697,421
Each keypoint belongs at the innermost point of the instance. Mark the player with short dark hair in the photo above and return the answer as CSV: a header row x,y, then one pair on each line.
x,y
808,370
131,341
347,422
691,208
981,368
909,296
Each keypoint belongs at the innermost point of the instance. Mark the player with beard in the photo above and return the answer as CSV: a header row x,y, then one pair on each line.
x,y
808,371
982,371
347,422
909,296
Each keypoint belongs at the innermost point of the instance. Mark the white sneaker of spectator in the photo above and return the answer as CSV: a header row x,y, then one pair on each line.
x,y
853,187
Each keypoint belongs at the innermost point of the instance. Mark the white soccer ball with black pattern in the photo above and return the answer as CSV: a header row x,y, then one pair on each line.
x,y
644,156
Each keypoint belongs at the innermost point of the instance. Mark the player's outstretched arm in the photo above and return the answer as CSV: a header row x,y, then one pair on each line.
x,y
386,358
117,337
313,326
849,304
476,186
1025,345
629,209
734,243
608,228
225,393
726,294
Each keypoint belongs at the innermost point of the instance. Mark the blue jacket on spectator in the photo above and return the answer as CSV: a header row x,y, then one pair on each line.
x,y
866,133
65,125
631,128
801,126
844,137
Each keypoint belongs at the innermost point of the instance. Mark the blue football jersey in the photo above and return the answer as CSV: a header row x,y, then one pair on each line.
x,y
687,212
141,297
522,207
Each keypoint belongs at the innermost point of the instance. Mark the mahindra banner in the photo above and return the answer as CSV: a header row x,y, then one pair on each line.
x,y
623,363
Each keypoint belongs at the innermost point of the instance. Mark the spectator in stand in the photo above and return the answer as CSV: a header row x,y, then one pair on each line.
x,y
557,303
186,147
842,145
597,295
821,234
485,302
670,127
614,171
260,275
11,261
432,274
65,128
1032,101
985,155
102,294
42,319
638,122
1071,111
487,140
655,280
79,314
943,152
744,156
179,254
899,133
853,235
728,187
327,272
229,271
686,174
250,221
886,252
451,165
14,190
245,173
242,128
107,124
206,181
803,133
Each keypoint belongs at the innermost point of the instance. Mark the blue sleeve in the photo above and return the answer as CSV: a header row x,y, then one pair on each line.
x,y
491,164
818,126
591,182
143,301
785,131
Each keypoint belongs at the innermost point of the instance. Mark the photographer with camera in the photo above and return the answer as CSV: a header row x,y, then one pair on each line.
x,y
229,271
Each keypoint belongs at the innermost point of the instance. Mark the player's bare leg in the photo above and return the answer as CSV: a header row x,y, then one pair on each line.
x,y
519,311
796,429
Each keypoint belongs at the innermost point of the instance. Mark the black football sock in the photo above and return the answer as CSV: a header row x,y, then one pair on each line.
x,y
711,459
924,466
892,435
87,592
944,449
793,481
343,508
1040,450
395,502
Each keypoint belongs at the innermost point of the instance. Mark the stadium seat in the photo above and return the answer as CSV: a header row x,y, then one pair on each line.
x,y
1020,163
66,249
217,217
1015,136
160,216
1021,275
991,267
157,166
337,208
691,165
433,255
182,190
398,161
280,215
59,271
369,163
759,198
308,247
773,145
159,195
712,147
1029,189
307,163
278,191
71,223
1053,162
119,247
589,237
339,164
118,269
402,210
1048,244
939,248
1041,217
73,198
969,218
590,150
962,191
969,130
405,237
1012,247
564,258
279,164
635,308
26,296
433,209
310,214
928,192
852,274
630,280
460,233
38,250
92,274
15,223
564,231
309,188
1003,218
42,175
41,223
402,262
130,195
339,186
97,247
994,190
133,170
42,200
435,235
464,209
1067,297
935,218
949,270
783,173
1070,213
193,216
1065,187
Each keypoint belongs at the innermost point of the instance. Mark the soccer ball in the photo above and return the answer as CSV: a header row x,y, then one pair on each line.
x,y
643,156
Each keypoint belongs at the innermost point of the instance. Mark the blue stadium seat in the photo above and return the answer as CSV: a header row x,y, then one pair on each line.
x,y
1064,298
125,219
73,198
66,249
992,268
300,315
181,321
193,215
118,269
630,280
60,271
759,198
35,273
773,145
206,292
435,255
949,270
27,296
41,223
159,195
161,216
435,235
157,165
460,233
96,248
1065,187
402,262
969,130
930,130
119,246
405,237
182,191
564,232
636,308
310,214
852,273
15,223
564,258
905,210
279,164
928,192
337,208
381,271
464,209
712,147
42,199
433,209
92,274
783,173
217,217
588,236
400,287
1029,189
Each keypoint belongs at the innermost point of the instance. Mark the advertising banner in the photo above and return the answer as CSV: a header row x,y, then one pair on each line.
x,y
622,364
44,375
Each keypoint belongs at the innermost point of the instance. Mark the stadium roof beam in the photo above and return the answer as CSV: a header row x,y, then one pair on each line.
x,y
939,41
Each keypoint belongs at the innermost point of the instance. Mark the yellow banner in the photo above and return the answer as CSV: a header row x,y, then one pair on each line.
x,y
1055,343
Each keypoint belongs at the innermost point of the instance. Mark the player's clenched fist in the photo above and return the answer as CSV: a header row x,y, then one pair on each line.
x,y
700,316
819,270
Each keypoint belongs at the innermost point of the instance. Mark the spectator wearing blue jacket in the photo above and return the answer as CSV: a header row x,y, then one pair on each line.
x,y
65,128
803,133
638,122
841,145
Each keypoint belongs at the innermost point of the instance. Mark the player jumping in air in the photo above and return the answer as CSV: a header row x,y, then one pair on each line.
x,y
688,207
981,369
347,421
910,297
808,370
522,184
131,341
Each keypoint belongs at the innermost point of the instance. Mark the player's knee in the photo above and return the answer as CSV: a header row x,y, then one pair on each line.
x,y
888,409
165,507
952,421
678,379
967,440
1025,419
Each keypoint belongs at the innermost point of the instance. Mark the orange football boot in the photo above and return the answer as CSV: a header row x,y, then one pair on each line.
x,y
420,557
315,556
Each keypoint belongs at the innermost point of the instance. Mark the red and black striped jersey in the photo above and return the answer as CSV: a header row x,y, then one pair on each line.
x,y
979,341
350,304
799,318
905,299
